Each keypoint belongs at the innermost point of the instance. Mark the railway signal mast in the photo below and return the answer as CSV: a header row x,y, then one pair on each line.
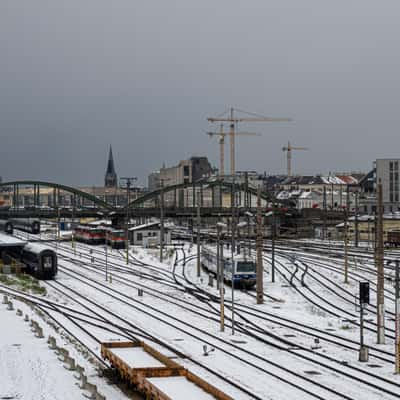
x,y
289,150
234,120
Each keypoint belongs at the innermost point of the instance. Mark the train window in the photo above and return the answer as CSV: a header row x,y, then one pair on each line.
x,y
246,266
47,262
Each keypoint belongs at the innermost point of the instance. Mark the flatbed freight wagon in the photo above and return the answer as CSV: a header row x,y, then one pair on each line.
x,y
155,375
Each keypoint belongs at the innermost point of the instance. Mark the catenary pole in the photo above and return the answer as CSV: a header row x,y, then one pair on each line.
x,y
259,243
198,237
397,318
346,238
379,260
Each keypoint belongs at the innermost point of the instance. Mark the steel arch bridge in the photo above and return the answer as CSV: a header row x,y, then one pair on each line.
x,y
208,194
75,193
197,194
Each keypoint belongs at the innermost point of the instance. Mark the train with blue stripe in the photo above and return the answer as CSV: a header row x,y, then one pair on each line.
x,y
244,268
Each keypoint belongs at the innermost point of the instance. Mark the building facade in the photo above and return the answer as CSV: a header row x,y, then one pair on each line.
x,y
153,181
187,171
386,171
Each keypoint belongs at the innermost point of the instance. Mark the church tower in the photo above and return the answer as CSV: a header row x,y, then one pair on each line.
x,y
110,179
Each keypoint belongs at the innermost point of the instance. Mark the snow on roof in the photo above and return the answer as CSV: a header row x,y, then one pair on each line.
x,y
100,222
339,179
36,248
283,195
148,225
348,179
180,388
309,194
10,241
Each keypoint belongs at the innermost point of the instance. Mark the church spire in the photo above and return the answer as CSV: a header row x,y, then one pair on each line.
x,y
110,179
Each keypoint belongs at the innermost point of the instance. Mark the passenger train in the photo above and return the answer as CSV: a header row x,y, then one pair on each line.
x,y
116,238
40,260
100,235
89,234
244,269
26,225
6,227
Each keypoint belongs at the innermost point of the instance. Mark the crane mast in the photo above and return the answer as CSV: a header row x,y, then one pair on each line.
x,y
234,121
221,136
289,150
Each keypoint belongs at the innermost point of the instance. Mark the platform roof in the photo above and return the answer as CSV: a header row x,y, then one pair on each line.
x,y
10,241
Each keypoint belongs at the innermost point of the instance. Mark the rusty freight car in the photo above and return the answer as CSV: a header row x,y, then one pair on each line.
x,y
155,375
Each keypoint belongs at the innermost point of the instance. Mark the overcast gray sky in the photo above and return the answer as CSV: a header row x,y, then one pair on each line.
x,y
78,75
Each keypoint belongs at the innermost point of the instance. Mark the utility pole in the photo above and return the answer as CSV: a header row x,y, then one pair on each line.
x,y
198,237
220,269
325,210
259,244
356,231
161,220
233,251
73,225
106,254
397,319
346,239
128,182
58,222
273,235
379,260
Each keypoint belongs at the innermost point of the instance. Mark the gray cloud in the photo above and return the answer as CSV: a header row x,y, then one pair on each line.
x,y
78,75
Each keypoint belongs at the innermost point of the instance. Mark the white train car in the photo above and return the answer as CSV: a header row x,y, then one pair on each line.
x,y
244,268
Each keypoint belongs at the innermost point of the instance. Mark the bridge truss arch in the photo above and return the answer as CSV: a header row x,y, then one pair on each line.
x,y
75,195
206,193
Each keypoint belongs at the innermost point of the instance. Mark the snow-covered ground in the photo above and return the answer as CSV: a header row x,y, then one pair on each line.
x,y
297,344
29,370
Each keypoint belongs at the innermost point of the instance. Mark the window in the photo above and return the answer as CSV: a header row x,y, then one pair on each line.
x,y
139,236
243,266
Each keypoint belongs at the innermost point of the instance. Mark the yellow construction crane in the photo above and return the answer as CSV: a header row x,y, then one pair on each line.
x,y
235,120
289,150
221,136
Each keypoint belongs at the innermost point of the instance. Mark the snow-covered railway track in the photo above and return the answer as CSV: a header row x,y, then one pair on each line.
x,y
309,355
249,358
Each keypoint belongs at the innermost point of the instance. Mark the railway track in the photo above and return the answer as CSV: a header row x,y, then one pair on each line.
x,y
260,335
